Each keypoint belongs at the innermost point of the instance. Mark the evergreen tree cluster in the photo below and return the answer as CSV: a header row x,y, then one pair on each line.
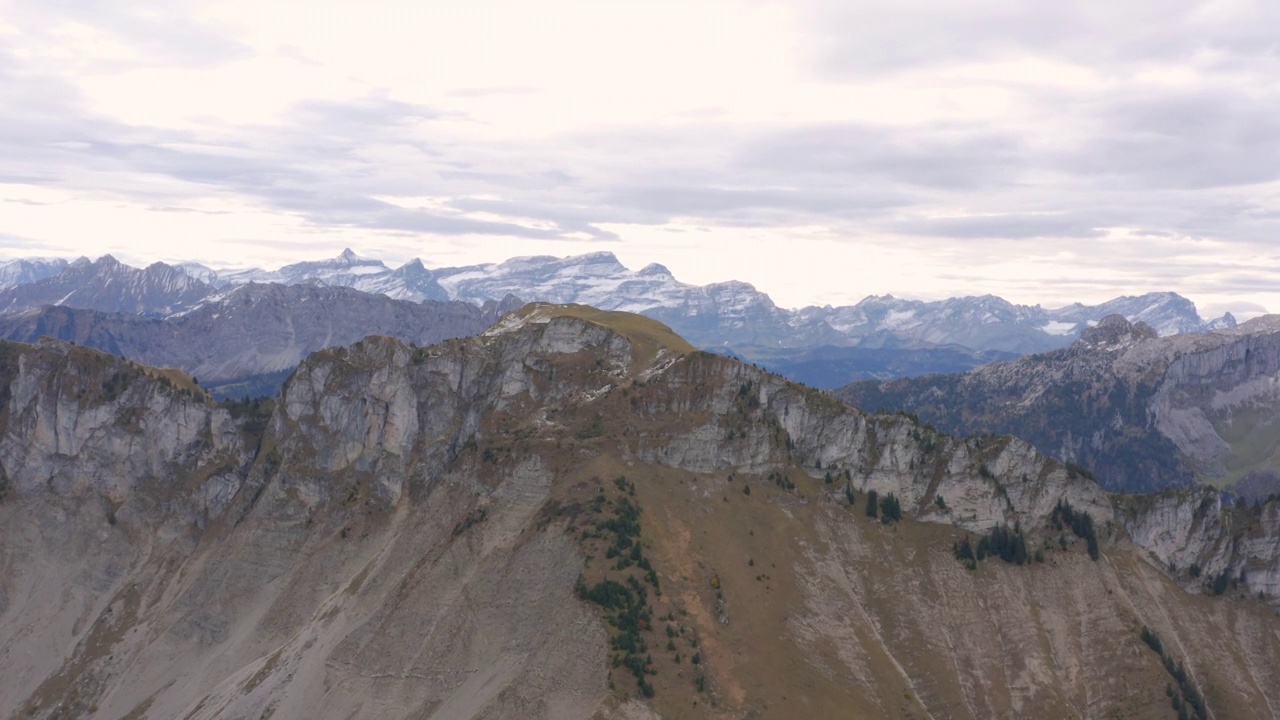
x,y
627,610
780,479
1220,582
1186,698
890,509
887,508
625,600
1081,523
1008,544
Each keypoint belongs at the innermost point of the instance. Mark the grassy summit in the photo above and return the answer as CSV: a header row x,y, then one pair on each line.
x,y
647,336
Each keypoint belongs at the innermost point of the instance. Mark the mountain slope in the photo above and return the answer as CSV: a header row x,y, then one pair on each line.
x,y
573,515
1140,411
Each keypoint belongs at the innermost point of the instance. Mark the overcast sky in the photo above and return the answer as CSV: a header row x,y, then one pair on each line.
x,y
1045,152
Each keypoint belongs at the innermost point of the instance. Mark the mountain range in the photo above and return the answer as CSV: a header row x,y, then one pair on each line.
x,y
107,284
1142,411
246,340
731,316
576,514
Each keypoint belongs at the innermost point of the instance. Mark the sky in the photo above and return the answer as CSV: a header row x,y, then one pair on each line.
x,y
822,151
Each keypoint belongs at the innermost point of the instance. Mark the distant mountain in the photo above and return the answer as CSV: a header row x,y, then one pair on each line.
x,y
29,270
107,284
992,323
248,339
738,316
1142,412
730,316
411,281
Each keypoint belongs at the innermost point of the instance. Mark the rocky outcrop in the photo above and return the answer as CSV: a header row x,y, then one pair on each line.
x,y
759,423
1208,545
1141,412
81,424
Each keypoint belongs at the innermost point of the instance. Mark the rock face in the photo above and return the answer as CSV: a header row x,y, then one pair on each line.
x,y
1142,412
1203,542
430,532
249,339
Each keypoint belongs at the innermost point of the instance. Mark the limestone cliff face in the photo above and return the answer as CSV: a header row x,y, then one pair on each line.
x,y
1194,528
79,424
758,422
1205,392
1142,412
402,537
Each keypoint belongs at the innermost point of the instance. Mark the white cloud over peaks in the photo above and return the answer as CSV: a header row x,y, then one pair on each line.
x,y
1048,152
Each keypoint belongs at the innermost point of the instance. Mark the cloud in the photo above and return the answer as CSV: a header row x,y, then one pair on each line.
x,y
1193,139
872,37
940,156
659,203
472,92
15,246
1112,133
1015,226
153,35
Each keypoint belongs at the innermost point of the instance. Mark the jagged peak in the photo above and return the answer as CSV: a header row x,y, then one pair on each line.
x,y
1225,322
655,269
1116,329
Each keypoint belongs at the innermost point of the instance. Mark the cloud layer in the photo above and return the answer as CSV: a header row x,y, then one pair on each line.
x,y
1047,152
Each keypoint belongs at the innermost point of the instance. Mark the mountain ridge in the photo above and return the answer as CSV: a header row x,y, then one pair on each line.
x,y
733,313
1142,411
433,532
246,339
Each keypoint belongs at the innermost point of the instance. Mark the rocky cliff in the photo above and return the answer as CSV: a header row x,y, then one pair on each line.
x,y
1141,411
573,515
